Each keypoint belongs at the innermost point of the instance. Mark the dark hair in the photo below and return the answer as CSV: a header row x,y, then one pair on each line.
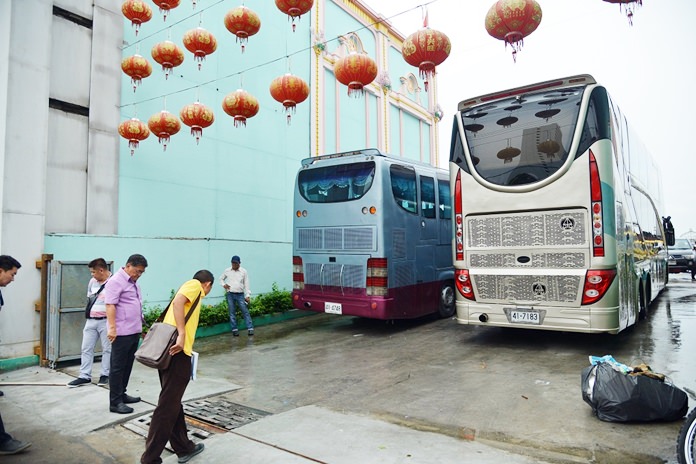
x,y
137,260
7,262
98,263
204,276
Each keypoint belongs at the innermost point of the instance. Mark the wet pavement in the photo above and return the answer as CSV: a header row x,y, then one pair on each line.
x,y
332,384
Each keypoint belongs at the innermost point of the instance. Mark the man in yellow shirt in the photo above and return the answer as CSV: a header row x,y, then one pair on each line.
x,y
168,422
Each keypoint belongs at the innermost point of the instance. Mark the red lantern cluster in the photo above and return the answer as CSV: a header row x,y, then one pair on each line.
x,y
512,21
168,55
356,70
201,43
164,124
426,49
133,130
137,11
289,90
137,68
241,105
294,8
166,5
197,116
243,23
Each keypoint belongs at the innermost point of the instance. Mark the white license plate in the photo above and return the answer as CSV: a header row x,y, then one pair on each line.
x,y
333,308
672,262
524,317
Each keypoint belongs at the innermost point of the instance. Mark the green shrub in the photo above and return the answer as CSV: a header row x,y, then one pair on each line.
x,y
266,303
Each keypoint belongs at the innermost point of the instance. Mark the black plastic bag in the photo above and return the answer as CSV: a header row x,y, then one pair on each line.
x,y
619,397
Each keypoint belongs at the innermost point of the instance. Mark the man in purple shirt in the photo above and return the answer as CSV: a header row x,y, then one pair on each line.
x,y
124,318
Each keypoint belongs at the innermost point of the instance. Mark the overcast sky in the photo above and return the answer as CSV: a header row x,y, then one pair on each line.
x,y
648,68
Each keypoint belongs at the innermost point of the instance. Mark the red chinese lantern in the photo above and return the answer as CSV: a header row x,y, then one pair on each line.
x,y
426,49
168,55
166,5
512,21
294,8
133,130
241,105
164,124
243,23
631,5
197,116
137,11
137,67
356,70
201,43
289,90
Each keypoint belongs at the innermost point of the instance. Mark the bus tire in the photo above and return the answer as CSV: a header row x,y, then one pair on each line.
x,y
446,306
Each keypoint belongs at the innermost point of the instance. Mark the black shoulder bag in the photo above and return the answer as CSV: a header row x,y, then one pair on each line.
x,y
91,300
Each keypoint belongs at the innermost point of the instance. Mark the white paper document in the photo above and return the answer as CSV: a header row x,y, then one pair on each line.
x,y
194,364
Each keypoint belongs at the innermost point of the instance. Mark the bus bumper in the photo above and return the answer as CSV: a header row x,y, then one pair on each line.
x,y
355,305
595,320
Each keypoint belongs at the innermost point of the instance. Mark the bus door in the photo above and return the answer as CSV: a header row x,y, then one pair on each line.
x,y
428,240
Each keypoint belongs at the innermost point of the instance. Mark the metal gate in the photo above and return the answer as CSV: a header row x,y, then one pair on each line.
x,y
67,297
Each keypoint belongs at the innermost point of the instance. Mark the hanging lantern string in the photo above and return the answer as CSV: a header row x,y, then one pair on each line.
x,y
169,26
269,62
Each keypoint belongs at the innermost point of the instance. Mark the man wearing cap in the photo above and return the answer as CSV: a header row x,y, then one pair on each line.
x,y
235,281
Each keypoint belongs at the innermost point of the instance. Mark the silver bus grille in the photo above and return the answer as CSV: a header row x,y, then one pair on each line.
x,y
537,241
542,289
548,260
537,229
335,275
336,238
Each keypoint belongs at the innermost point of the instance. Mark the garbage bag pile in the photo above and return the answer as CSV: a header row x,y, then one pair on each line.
x,y
620,393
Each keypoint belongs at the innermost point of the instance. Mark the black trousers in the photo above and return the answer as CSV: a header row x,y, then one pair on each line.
x,y
168,423
122,356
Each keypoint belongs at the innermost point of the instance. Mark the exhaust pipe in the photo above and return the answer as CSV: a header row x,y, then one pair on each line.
x,y
483,317
307,304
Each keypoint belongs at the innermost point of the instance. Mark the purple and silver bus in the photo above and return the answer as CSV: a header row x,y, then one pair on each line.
x,y
372,237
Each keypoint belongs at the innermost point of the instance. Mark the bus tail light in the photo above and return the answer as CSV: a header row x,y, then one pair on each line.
x,y
377,279
596,206
458,219
297,273
597,282
463,282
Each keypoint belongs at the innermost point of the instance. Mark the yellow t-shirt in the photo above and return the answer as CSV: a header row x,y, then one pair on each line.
x,y
190,289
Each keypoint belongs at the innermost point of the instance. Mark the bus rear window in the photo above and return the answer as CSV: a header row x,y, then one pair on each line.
x,y
332,184
523,139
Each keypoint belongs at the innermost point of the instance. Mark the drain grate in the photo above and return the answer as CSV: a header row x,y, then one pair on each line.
x,y
222,413
205,417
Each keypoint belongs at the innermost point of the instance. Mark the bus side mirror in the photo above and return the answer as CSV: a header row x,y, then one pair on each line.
x,y
669,230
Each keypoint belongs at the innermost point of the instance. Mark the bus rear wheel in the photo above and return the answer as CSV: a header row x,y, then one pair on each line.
x,y
446,307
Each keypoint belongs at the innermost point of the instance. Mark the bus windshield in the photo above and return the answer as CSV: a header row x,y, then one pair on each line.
x,y
522,139
332,184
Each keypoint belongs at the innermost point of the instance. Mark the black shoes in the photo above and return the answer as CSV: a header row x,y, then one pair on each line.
x,y
196,450
130,399
235,333
103,380
121,409
13,446
78,382
251,332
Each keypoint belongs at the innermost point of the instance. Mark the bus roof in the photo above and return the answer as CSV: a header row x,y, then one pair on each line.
x,y
365,152
572,81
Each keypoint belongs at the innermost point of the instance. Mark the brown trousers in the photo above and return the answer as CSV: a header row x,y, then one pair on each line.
x,y
168,422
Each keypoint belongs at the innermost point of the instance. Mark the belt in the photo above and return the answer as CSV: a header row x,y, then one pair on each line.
x,y
237,293
98,318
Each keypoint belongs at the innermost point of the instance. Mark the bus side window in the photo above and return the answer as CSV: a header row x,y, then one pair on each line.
x,y
403,183
427,185
443,191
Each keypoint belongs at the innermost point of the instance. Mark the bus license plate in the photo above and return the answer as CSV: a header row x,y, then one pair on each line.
x,y
524,317
333,308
